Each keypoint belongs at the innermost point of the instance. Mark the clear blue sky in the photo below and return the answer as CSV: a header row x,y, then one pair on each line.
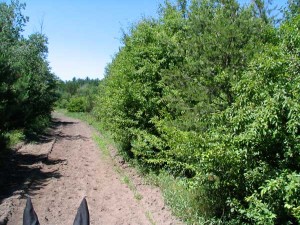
x,y
84,35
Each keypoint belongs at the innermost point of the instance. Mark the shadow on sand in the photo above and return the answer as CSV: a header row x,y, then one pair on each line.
x,y
22,172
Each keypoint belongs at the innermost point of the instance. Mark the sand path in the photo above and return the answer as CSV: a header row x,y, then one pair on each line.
x,y
67,165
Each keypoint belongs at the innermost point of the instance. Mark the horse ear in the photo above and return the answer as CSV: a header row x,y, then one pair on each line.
x,y
82,216
29,215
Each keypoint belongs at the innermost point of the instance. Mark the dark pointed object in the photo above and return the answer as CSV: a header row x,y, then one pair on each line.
x,y
82,216
29,215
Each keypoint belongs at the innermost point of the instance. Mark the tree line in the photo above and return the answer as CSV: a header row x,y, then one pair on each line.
x,y
77,95
27,85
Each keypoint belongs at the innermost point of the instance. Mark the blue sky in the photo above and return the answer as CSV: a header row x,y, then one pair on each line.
x,y
84,35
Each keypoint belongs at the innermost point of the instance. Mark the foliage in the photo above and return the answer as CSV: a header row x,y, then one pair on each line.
x,y
209,91
14,137
292,10
77,95
76,104
27,86
264,122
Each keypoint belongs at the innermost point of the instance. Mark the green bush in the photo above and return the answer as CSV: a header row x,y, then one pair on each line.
x,y
77,88
210,92
62,103
77,104
265,124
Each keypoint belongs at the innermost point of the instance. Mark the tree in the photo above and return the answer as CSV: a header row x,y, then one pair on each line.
x,y
27,84
293,9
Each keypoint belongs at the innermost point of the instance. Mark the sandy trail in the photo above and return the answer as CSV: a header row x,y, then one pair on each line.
x,y
61,169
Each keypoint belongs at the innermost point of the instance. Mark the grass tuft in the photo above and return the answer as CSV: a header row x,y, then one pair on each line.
x,y
150,218
181,198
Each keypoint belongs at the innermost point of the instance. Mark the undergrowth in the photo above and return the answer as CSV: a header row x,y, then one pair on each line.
x,y
9,140
14,137
180,197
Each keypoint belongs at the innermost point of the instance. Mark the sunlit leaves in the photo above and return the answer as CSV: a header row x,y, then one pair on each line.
x,y
211,92
27,86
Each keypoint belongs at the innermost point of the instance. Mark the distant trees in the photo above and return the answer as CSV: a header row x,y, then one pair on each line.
x,y
209,92
77,95
27,86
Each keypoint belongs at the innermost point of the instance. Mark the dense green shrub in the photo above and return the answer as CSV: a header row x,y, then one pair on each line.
x,y
27,86
265,123
210,91
77,104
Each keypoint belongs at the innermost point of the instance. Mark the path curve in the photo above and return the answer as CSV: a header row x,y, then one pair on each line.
x,y
66,166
